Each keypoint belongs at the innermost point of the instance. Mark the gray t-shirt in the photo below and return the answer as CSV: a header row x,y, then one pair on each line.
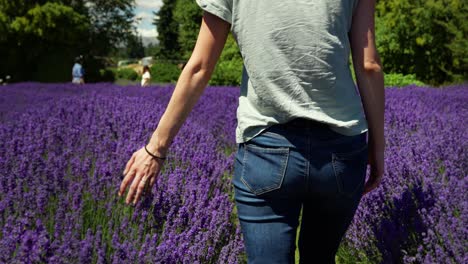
x,y
296,63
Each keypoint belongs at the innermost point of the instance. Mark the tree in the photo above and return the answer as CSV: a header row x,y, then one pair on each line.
x,y
228,71
151,49
188,16
167,31
135,48
39,39
424,37
178,26
37,31
111,23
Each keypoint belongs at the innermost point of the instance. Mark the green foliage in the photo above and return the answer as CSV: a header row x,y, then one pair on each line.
x,y
134,47
419,41
399,80
3,26
51,21
230,65
167,31
395,79
53,67
164,72
151,49
227,73
127,74
347,254
40,39
107,75
427,38
188,15
112,23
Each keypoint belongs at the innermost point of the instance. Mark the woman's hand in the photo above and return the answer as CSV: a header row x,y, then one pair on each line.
x,y
141,172
142,169
376,162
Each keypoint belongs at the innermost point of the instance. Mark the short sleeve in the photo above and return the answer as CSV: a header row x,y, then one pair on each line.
x,y
219,8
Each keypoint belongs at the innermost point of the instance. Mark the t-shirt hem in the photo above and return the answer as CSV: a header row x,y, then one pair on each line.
x,y
243,138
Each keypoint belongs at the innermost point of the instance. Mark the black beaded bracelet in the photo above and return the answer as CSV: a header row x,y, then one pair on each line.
x,y
154,156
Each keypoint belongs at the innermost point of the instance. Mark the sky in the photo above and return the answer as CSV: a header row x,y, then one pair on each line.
x,y
144,10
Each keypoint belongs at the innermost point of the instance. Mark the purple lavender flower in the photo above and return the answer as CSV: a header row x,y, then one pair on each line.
x,y
63,149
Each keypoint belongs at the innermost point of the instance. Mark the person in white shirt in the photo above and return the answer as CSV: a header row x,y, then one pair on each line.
x,y
146,78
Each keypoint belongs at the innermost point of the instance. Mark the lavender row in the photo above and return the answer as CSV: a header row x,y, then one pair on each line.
x,y
419,214
62,149
62,152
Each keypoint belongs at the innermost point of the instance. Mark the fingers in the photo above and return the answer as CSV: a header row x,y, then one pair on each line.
x,y
152,182
149,187
372,183
141,188
369,187
139,176
129,164
126,181
133,188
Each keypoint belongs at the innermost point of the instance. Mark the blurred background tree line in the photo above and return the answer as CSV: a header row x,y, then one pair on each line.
x,y
178,23
39,39
420,41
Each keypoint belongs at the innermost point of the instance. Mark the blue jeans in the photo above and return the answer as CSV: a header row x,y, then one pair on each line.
x,y
289,166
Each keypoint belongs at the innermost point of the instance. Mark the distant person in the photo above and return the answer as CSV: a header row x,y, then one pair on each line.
x,y
78,71
146,78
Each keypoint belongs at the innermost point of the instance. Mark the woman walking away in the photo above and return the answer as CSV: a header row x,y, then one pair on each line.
x,y
146,78
305,135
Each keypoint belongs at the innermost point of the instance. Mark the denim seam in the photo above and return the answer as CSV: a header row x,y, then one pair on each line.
x,y
338,179
340,182
244,161
273,135
269,150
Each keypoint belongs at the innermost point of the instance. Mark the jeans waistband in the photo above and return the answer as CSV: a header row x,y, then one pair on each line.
x,y
302,131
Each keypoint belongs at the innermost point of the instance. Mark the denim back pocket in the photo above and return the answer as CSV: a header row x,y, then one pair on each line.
x,y
264,168
350,170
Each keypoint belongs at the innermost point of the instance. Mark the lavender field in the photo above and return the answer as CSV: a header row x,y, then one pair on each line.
x,y
63,149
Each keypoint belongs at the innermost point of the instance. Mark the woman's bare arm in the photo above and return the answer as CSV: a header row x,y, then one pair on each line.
x,y
190,86
192,81
370,81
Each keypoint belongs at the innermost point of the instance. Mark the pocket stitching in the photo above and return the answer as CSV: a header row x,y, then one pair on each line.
x,y
267,150
340,183
282,170
346,156
338,179
273,135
